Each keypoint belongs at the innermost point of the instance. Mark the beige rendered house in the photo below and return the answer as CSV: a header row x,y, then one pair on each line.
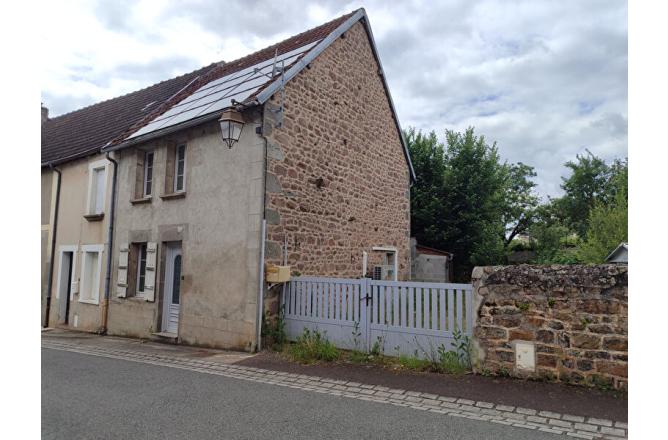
x,y
292,155
76,193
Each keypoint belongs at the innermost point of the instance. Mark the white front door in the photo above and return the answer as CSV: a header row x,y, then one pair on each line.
x,y
172,299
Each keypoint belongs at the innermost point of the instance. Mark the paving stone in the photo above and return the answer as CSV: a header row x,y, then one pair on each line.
x,y
621,425
382,394
431,402
413,393
613,431
551,430
586,427
550,414
466,401
572,418
447,399
484,404
560,423
578,435
602,422
429,396
537,419
505,408
527,411
524,425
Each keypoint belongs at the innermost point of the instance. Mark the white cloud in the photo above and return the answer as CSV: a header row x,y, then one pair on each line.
x,y
544,79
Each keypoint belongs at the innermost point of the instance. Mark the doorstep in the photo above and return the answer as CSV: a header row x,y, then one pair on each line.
x,y
166,337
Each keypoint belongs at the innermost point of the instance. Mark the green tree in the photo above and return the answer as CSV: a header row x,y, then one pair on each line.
x,y
474,184
591,181
607,227
427,211
521,201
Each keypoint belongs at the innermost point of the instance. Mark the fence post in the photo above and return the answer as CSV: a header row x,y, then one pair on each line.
x,y
364,312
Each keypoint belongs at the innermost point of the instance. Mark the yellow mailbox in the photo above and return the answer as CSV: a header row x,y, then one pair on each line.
x,y
277,274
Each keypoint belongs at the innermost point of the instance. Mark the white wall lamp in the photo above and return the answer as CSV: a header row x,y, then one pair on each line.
x,y
231,124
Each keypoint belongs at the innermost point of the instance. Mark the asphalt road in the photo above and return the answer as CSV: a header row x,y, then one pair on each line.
x,y
86,397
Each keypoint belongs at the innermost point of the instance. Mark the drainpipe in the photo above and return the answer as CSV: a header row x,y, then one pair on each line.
x,y
110,245
49,284
260,299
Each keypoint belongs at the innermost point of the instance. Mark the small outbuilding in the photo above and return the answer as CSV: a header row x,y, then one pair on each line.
x,y
620,255
429,264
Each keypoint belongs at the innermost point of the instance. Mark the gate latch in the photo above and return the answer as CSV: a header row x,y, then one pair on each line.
x,y
367,298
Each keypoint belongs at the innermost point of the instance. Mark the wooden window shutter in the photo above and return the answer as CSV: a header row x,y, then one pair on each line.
x,y
149,279
122,280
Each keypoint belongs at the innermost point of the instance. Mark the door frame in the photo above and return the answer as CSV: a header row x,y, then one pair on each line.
x,y
62,249
170,249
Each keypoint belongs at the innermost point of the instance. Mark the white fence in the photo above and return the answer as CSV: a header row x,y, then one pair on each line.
x,y
399,317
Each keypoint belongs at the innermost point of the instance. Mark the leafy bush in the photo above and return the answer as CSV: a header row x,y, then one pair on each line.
x,y
449,362
311,346
521,245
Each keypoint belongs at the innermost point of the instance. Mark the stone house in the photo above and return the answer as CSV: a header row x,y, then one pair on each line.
x,y
291,155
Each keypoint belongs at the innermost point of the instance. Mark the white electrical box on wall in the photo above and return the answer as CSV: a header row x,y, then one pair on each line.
x,y
525,356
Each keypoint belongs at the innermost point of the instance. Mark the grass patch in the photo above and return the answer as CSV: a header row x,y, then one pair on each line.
x,y
312,346
413,363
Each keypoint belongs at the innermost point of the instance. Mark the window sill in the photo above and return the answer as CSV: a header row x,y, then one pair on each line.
x,y
89,301
176,195
94,217
142,200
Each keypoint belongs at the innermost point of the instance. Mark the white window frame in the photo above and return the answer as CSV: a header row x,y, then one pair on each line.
x,y
61,250
143,248
176,168
388,250
90,205
145,179
99,248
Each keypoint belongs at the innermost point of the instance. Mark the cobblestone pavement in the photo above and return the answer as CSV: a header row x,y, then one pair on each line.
x,y
569,425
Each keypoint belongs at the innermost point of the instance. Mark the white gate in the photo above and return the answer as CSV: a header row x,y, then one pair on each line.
x,y
398,317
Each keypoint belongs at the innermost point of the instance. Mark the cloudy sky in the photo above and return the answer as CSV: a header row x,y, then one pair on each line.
x,y
546,80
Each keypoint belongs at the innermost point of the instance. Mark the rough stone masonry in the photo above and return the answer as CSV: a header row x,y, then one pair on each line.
x,y
337,179
576,316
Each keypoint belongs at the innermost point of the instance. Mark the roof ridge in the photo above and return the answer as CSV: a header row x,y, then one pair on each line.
x,y
275,45
216,72
207,67
212,65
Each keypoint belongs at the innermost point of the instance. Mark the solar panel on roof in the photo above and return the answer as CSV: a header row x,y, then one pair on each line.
x,y
219,93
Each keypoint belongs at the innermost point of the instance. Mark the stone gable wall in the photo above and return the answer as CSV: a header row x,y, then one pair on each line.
x,y
576,316
337,180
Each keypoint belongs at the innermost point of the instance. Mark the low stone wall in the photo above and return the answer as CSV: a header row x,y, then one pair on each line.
x,y
573,318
